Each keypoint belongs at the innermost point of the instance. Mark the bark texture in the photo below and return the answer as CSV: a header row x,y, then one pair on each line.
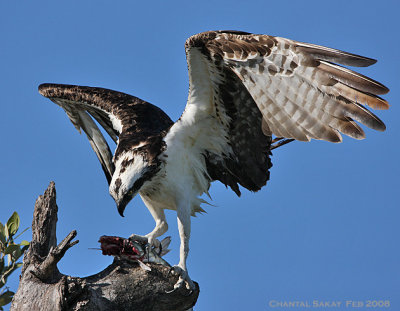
x,y
121,286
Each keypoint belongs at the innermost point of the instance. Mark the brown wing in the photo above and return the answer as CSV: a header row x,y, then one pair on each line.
x,y
263,86
128,120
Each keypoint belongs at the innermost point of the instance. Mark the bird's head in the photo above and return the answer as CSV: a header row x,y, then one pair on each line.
x,y
130,174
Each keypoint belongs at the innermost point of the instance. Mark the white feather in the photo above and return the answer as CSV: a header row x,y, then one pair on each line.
x,y
184,176
116,123
128,175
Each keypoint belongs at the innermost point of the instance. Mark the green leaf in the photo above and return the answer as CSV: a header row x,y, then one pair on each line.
x,y
17,254
5,230
6,298
3,281
24,243
24,248
13,224
11,248
2,234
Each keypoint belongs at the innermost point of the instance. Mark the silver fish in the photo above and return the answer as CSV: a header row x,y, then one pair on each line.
x,y
154,254
135,250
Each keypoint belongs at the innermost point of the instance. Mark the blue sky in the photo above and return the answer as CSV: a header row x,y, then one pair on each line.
x,y
325,227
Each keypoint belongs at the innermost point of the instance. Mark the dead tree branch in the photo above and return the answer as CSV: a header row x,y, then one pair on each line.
x,y
121,286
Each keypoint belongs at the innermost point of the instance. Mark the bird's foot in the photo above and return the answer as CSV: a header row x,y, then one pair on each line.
x,y
145,239
184,279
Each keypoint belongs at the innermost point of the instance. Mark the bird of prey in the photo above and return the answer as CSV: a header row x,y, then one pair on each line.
x,y
245,91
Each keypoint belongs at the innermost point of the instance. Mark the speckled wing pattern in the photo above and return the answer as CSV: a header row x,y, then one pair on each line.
x,y
128,120
265,85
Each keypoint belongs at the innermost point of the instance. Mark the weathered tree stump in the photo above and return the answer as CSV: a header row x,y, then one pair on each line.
x,y
121,286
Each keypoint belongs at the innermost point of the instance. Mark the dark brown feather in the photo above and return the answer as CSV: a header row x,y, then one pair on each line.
x,y
334,56
353,79
142,122
357,96
250,163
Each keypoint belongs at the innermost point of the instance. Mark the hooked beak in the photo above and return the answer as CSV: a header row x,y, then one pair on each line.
x,y
121,204
121,207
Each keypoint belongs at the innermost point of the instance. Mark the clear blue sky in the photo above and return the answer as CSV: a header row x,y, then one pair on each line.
x,y
327,225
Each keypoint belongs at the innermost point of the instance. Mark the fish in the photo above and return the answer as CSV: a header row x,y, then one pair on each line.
x,y
135,251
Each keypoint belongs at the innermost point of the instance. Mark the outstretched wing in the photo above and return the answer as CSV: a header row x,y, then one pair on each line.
x,y
256,86
128,120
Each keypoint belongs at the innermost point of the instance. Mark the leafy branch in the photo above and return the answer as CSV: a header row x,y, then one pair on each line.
x,y
10,252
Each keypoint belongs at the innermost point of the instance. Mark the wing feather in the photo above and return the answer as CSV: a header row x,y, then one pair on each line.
x,y
105,123
354,95
333,55
352,78
298,89
98,143
128,120
285,73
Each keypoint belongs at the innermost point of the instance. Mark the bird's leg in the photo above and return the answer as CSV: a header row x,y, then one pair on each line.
x,y
160,228
184,212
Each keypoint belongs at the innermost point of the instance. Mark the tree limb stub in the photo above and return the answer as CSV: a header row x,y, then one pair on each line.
x,y
121,286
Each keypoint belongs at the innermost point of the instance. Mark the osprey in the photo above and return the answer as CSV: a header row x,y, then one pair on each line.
x,y
244,89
